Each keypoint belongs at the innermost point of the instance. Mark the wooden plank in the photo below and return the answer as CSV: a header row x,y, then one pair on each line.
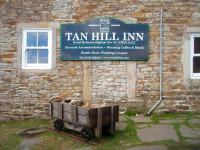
x,y
55,105
50,109
74,114
68,116
55,113
92,118
67,107
106,111
98,130
83,111
112,124
83,120
60,111
116,112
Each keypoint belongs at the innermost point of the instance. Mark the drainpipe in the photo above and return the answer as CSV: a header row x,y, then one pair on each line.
x,y
161,62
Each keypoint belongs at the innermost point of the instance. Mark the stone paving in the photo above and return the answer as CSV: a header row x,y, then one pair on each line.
x,y
84,148
141,119
153,147
189,133
151,132
28,142
169,121
121,126
157,133
195,121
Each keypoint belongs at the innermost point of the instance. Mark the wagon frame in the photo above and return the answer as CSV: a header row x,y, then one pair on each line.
x,y
90,122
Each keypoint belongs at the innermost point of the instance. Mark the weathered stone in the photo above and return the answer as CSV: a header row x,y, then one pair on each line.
x,y
189,133
108,81
141,119
193,141
157,133
28,142
196,15
138,14
72,72
121,126
139,126
195,121
182,107
149,147
121,118
84,148
169,121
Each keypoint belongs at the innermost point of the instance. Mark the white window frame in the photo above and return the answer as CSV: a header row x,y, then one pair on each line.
x,y
193,75
25,65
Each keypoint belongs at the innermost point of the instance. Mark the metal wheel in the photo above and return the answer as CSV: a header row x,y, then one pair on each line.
x,y
58,125
87,133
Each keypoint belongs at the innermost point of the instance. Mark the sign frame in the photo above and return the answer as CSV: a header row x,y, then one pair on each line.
x,y
139,55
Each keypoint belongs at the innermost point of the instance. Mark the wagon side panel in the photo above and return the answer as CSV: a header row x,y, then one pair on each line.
x,y
56,110
67,112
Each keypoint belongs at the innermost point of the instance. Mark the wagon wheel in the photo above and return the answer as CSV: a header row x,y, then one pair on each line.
x,y
58,124
87,133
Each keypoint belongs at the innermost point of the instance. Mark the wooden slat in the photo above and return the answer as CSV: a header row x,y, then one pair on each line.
x,y
92,117
116,112
55,105
60,111
106,111
67,116
74,114
84,120
55,113
83,111
50,109
112,124
67,107
98,130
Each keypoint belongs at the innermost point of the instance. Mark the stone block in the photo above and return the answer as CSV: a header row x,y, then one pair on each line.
x,y
138,14
195,121
182,107
189,133
196,15
157,133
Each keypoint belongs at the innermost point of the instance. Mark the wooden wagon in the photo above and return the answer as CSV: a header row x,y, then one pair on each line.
x,y
88,121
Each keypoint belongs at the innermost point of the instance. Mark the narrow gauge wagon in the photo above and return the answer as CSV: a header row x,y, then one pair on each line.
x,y
89,121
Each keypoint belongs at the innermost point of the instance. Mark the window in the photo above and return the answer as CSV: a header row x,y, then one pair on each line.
x,y
195,56
37,49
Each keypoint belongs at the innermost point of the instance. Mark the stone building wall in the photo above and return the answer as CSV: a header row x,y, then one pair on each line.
x,y
109,81
25,93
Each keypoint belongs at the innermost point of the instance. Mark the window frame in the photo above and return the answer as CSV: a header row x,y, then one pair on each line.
x,y
192,54
49,47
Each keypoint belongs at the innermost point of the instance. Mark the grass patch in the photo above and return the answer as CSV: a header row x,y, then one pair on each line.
x,y
155,119
8,138
121,139
183,147
130,113
177,129
53,140
175,115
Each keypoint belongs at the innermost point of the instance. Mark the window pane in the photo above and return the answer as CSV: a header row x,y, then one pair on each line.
x,y
43,56
31,56
196,64
42,38
31,38
197,45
